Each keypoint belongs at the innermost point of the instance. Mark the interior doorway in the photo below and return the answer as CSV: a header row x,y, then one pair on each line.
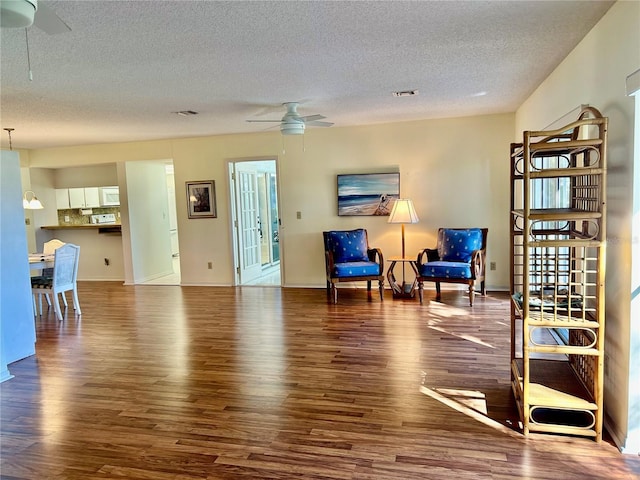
x,y
256,222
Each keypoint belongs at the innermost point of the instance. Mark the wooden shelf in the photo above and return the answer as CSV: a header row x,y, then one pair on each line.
x,y
558,386
554,148
560,320
551,214
561,172
554,384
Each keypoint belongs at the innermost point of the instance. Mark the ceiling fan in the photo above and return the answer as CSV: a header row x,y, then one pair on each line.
x,y
24,13
293,124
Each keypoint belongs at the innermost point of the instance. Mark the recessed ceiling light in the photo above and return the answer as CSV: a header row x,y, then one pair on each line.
x,y
405,93
186,113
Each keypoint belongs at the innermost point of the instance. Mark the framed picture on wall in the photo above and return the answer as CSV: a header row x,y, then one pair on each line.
x,y
368,193
201,199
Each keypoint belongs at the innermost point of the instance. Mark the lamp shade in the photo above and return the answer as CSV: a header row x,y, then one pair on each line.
x,y
403,212
31,204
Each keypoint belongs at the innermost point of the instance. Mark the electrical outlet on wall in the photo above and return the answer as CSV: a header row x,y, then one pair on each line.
x,y
210,265
492,265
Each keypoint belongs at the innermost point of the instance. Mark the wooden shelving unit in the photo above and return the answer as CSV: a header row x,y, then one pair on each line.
x,y
558,232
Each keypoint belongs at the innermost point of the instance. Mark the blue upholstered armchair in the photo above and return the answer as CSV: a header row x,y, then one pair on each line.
x,y
349,259
459,257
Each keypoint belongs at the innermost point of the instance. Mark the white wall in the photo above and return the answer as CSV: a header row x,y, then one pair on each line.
x,y
43,183
455,171
17,329
94,248
594,73
94,176
148,220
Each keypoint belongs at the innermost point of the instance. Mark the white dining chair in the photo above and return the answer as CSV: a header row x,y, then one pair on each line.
x,y
48,249
64,279
51,246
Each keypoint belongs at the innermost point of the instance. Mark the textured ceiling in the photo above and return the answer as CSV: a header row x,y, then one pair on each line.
x,y
125,66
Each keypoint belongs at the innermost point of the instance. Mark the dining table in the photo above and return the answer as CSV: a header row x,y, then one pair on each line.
x,y
40,261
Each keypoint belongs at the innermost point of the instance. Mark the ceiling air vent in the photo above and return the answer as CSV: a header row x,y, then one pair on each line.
x,y
405,93
186,113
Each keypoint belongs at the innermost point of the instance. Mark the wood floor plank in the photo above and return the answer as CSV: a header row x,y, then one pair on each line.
x,y
162,382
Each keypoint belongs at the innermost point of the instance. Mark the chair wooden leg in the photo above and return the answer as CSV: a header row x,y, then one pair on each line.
x,y
335,293
421,292
471,289
76,302
40,303
56,307
438,291
381,288
64,299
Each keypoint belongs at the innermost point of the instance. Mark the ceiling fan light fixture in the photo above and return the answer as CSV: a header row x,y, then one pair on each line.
x,y
294,124
292,128
17,13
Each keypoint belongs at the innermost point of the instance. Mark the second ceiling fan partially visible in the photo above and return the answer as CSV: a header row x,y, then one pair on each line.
x,y
294,124
24,13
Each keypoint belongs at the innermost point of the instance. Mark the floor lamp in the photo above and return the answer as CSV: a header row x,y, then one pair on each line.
x,y
403,212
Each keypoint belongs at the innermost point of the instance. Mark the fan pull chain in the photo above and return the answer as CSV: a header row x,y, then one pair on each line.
x,y
26,34
283,152
303,147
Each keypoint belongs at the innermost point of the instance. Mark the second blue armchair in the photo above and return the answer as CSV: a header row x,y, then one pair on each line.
x,y
459,257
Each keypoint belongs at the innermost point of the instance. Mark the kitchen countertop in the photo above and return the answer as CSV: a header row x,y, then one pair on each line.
x,y
87,226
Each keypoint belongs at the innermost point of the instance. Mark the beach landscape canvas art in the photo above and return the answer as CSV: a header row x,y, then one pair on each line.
x,y
367,193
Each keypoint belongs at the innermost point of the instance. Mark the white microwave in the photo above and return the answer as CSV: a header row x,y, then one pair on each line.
x,y
109,196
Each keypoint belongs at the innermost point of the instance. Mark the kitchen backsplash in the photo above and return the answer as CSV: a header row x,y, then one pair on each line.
x,y
77,218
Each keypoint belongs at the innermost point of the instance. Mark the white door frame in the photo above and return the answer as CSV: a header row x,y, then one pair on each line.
x,y
233,207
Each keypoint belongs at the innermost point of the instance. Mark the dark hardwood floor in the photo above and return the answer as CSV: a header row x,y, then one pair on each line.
x,y
162,382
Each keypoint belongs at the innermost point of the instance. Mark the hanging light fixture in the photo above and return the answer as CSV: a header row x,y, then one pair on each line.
x,y
9,130
31,203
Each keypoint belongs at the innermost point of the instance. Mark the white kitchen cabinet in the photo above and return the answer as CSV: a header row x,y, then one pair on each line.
x,y
91,197
62,198
76,198
84,197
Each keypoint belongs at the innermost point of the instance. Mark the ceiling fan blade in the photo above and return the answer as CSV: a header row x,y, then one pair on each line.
x,y
268,109
312,118
260,121
319,124
47,20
